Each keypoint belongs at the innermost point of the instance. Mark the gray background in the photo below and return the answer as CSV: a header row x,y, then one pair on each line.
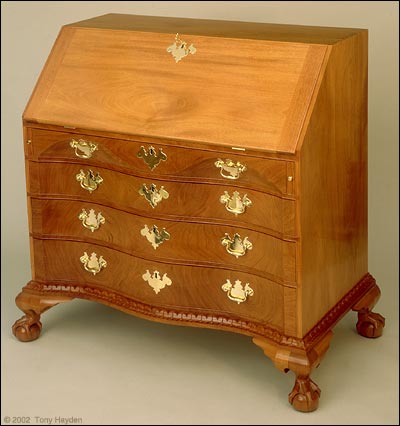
x,y
98,364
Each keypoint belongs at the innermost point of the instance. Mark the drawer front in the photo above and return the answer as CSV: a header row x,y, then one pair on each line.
x,y
134,157
191,243
189,201
243,296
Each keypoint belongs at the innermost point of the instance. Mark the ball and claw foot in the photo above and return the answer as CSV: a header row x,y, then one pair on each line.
x,y
28,327
305,394
370,324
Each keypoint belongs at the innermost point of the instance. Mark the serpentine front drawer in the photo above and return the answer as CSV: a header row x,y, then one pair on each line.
x,y
159,284
151,196
226,167
205,244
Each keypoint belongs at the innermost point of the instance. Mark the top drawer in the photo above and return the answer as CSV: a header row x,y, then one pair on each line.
x,y
190,165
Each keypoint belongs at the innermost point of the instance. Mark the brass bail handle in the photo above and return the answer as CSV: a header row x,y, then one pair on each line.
x,y
89,180
153,195
235,204
236,292
91,220
83,148
230,169
236,246
92,263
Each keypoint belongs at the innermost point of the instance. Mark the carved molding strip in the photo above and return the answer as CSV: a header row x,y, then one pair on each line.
x,y
339,310
180,315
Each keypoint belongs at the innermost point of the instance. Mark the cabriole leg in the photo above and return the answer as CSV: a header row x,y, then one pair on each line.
x,y
28,327
305,393
369,324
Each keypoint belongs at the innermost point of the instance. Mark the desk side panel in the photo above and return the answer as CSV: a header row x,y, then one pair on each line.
x,y
333,184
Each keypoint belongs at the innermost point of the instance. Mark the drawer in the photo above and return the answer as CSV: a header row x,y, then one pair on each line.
x,y
170,241
194,288
181,163
188,201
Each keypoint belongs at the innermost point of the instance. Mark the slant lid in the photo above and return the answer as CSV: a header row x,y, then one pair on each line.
x,y
228,90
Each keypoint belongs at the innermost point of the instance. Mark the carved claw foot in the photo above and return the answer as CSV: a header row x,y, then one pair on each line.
x,y
33,304
305,394
370,324
28,327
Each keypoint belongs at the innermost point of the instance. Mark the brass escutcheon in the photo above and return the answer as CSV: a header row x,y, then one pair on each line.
x,y
235,204
236,292
153,195
83,149
235,246
93,264
91,220
230,169
89,180
179,49
154,236
155,281
151,158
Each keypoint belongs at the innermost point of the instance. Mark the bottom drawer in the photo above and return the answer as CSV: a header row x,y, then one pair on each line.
x,y
222,291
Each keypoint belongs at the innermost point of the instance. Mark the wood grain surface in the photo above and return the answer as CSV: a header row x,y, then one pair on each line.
x,y
196,288
333,184
126,80
219,28
187,201
189,243
196,165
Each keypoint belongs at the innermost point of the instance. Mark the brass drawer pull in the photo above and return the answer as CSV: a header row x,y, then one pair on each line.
x,y
151,158
83,149
89,180
93,264
230,169
155,281
234,204
91,220
236,246
236,292
154,236
153,195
